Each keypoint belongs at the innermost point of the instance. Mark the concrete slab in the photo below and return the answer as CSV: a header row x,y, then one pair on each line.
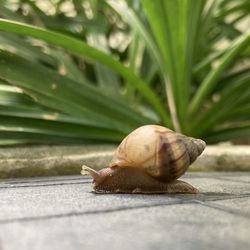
x,y
63,213
224,158
186,226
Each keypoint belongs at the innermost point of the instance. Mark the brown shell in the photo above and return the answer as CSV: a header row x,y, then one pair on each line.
x,y
161,152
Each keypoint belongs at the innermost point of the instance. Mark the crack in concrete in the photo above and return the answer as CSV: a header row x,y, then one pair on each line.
x,y
44,185
102,211
45,179
232,180
33,183
224,209
124,208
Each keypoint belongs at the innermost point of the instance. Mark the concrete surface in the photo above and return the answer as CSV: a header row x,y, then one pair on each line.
x,y
64,160
63,213
52,160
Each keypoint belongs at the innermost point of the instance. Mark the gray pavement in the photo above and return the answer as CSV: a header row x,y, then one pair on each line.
x,y
63,213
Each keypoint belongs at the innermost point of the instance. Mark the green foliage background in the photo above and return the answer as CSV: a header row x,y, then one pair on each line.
x,y
91,71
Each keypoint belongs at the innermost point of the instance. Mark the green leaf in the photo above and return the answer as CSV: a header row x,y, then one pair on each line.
x,y
12,137
37,112
57,128
229,98
81,96
174,24
24,48
82,49
211,79
141,37
228,134
67,67
241,113
139,27
106,78
13,96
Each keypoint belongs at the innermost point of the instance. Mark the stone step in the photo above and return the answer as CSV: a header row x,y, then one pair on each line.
x,y
62,160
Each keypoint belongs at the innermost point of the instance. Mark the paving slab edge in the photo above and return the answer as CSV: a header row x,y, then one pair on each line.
x,y
64,160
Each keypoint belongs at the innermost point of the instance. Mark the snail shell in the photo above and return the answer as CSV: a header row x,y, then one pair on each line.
x,y
149,160
162,153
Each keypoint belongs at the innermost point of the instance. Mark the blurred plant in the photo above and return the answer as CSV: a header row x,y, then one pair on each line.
x,y
91,71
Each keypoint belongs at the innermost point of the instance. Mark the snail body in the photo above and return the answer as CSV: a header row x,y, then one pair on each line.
x,y
149,160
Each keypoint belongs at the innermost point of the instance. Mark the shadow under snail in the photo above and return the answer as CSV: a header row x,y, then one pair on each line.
x,y
149,160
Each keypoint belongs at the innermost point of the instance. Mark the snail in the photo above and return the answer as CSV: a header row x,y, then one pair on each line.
x,y
149,160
